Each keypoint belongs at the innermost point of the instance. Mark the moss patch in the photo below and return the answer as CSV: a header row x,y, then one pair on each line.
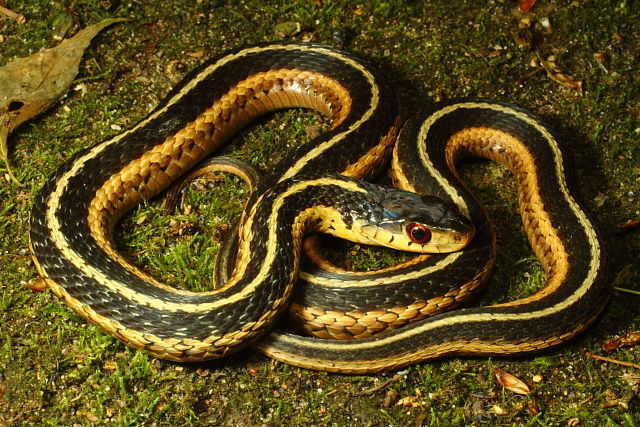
x,y
55,369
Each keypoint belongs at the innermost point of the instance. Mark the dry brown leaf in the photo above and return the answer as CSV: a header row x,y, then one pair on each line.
x,y
511,382
33,84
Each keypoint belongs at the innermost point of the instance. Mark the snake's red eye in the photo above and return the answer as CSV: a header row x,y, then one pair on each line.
x,y
418,233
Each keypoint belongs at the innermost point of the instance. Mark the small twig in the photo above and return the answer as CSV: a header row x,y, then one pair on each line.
x,y
391,380
610,360
20,19
527,76
629,291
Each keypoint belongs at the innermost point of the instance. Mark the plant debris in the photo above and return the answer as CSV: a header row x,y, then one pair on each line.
x,y
629,339
511,382
32,84
555,74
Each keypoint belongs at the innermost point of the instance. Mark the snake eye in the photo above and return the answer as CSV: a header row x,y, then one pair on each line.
x,y
418,233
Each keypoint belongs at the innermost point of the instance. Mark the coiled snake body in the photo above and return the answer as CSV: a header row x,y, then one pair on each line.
x,y
75,213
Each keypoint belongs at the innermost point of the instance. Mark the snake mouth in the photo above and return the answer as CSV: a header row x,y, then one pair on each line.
x,y
460,240
453,232
462,231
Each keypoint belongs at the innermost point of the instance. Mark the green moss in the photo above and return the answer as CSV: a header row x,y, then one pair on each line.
x,y
56,370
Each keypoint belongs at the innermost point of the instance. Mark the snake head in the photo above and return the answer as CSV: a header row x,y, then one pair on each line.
x,y
417,223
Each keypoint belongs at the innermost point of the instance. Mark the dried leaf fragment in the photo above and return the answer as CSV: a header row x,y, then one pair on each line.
x,y
497,410
196,53
629,339
631,378
632,223
526,5
511,382
611,399
603,61
390,398
202,372
546,25
110,365
559,77
408,402
38,286
532,407
33,84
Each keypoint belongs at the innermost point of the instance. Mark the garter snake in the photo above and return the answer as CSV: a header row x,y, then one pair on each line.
x,y
75,213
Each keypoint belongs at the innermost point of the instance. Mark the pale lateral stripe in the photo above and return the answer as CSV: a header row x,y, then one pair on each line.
x,y
386,280
321,148
79,262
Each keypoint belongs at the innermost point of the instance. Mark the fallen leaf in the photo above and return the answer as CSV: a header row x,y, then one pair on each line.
x,y
611,344
510,382
33,84
526,5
